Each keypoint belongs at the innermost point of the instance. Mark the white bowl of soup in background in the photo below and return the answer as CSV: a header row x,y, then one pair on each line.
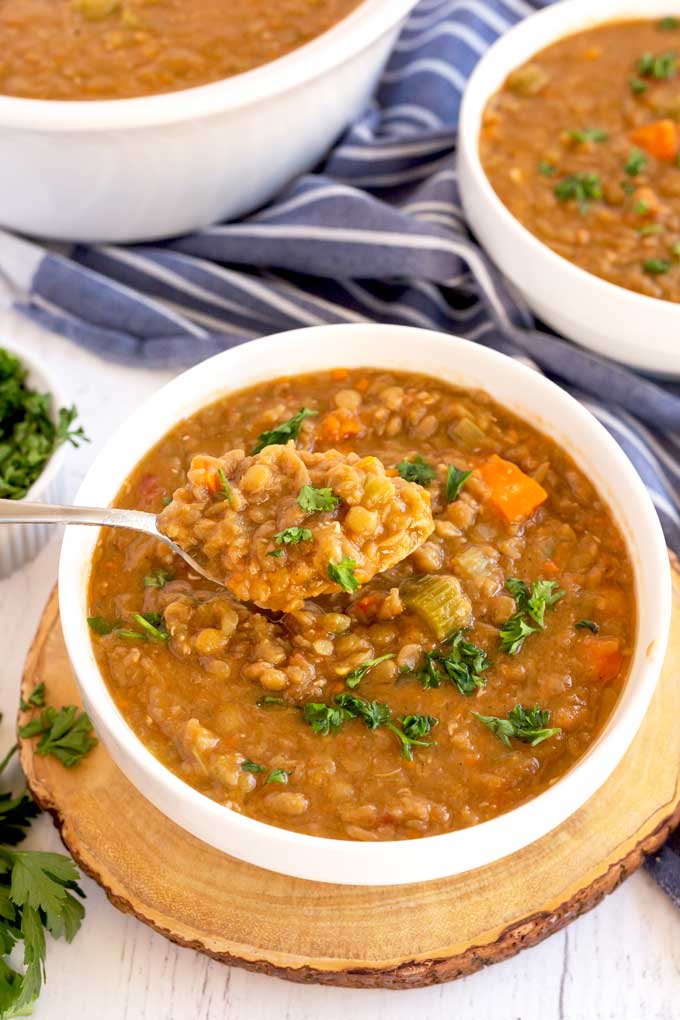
x,y
156,166
459,362
640,331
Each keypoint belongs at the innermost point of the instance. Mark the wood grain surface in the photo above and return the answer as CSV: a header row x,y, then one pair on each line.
x,y
390,937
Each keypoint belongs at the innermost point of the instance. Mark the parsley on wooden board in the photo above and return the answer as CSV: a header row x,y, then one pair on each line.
x,y
416,470
66,734
354,678
283,433
343,574
462,665
28,435
529,725
313,500
455,480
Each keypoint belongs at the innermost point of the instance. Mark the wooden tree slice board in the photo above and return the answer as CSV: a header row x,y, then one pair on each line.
x,y
391,937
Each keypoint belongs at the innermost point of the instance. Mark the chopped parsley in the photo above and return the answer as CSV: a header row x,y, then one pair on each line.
x,y
152,628
278,553
292,536
660,66
656,267
313,500
546,169
589,135
354,678
225,491
628,187
455,480
462,665
28,435
343,574
269,699
531,606
158,578
410,729
649,229
327,719
635,163
582,188
251,766
526,724
283,433
101,626
676,249
668,24
277,776
637,85
36,699
641,208
416,470
590,625
66,734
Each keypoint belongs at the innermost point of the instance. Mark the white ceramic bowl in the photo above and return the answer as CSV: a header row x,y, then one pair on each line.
x,y
20,543
517,387
151,167
640,331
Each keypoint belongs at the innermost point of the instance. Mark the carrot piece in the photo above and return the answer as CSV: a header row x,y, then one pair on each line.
x,y
550,567
204,472
514,494
603,656
659,139
362,385
339,425
339,374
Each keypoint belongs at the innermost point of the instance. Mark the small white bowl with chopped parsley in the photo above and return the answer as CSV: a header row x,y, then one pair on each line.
x,y
36,425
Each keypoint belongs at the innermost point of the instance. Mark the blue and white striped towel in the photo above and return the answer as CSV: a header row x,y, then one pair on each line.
x,y
377,233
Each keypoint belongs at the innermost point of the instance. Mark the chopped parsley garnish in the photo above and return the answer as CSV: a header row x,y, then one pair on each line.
x,y
589,135
66,734
251,766
225,491
641,208
373,713
628,187
283,433
656,267
635,163
278,553
455,480
661,66
668,24
531,606
546,169
650,228
676,249
292,536
462,665
277,776
410,729
270,699
582,188
526,724
101,626
152,628
637,86
343,574
416,470
28,435
588,625
158,578
36,699
327,719
354,678
313,500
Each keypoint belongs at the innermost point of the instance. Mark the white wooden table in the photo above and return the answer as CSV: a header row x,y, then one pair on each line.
x,y
620,962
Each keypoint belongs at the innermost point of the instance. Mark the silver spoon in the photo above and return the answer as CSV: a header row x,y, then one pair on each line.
x,y
16,511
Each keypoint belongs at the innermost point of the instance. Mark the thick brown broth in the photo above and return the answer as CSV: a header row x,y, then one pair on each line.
x,y
114,49
196,699
582,144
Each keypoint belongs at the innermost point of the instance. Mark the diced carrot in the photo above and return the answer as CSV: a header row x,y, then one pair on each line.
x,y
339,425
204,472
604,657
659,139
362,385
513,493
550,567
339,374
391,472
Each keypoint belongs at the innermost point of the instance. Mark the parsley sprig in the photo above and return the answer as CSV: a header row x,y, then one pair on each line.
x,y
66,734
529,725
343,574
455,480
313,500
326,719
353,679
416,470
530,616
292,536
283,433
581,188
462,665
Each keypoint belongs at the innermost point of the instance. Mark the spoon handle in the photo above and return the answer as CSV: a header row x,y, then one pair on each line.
x,y
13,511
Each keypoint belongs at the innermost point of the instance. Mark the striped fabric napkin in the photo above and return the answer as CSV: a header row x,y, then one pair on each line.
x,y
376,233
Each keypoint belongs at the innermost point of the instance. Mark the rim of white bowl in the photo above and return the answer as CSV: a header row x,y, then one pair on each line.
x,y
394,862
41,379
351,35
567,17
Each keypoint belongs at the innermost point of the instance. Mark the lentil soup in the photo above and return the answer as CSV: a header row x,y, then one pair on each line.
x,y
582,144
451,687
116,49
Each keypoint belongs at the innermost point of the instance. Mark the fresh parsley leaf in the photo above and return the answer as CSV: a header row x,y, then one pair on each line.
x,y
225,491
416,470
546,169
152,626
410,729
292,536
462,665
325,719
455,480
590,625
544,595
277,776
158,578
269,699
656,267
16,815
354,678
283,433
589,135
661,66
373,713
343,574
313,500
101,626
635,163
251,766
637,85
36,698
528,725
64,433
514,631
531,603
649,228
66,734
278,553
582,188
668,24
